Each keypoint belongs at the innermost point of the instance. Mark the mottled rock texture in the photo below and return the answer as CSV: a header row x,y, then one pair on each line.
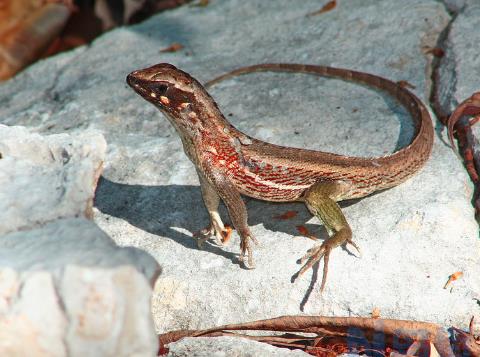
x,y
65,287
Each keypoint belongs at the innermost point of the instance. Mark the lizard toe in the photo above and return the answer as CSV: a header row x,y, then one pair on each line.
x,y
313,256
246,252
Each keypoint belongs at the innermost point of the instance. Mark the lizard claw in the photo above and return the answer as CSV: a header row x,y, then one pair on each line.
x,y
202,236
221,237
314,255
353,244
323,250
246,251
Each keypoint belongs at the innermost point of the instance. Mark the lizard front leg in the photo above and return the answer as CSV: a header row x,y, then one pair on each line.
x,y
216,227
237,211
321,201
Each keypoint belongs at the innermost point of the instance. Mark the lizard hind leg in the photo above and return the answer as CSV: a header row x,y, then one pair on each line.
x,y
321,201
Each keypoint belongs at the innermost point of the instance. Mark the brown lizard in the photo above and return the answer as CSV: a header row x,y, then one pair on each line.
x,y
230,163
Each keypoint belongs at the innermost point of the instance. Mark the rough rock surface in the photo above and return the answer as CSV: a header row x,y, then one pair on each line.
x,y
227,346
459,69
42,179
65,287
412,237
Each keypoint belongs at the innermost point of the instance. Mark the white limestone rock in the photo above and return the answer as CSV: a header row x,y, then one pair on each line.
x,y
66,289
108,312
85,312
45,178
412,237
32,321
459,69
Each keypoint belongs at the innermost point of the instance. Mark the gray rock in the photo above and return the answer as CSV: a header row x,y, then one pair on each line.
x,y
459,69
70,241
460,66
108,311
65,287
226,346
412,237
32,322
457,6
43,179
85,312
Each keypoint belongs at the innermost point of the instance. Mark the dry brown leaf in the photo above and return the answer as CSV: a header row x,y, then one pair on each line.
x,y
375,313
453,277
27,28
303,230
174,47
327,7
332,334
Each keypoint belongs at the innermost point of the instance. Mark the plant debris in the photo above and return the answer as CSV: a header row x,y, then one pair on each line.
x,y
460,122
331,336
174,47
327,7
305,232
452,278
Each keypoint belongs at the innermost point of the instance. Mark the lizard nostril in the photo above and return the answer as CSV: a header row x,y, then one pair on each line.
x,y
131,79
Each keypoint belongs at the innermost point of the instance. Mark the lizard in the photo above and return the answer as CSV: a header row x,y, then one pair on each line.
x,y
230,163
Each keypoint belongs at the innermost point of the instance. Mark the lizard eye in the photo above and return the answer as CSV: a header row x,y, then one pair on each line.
x,y
159,88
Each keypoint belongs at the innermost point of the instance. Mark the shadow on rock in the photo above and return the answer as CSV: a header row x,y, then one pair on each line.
x,y
167,210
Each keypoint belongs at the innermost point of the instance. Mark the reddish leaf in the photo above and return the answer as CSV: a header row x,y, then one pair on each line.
x,y
287,215
303,230
174,47
453,277
327,7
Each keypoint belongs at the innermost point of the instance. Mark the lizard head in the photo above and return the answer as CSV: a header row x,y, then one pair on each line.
x,y
160,81
179,96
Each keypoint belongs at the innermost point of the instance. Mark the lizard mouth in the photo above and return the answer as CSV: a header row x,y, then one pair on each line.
x,y
136,83
148,89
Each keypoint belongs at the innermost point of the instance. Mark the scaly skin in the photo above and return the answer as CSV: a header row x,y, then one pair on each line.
x,y
230,163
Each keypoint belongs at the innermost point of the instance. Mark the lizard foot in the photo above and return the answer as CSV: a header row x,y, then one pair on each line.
x,y
221,236
246,252
313,256
323,250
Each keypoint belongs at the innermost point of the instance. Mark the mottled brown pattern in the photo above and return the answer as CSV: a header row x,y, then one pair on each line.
x,y
366,174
